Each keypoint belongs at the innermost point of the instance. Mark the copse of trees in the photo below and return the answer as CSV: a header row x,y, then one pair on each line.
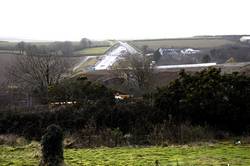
x,y
207,97
65,48
85,43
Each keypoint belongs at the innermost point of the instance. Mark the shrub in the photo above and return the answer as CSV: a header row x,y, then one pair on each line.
x,y
12,140
207,97
166,133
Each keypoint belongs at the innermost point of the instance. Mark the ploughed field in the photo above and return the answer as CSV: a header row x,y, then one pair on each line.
x,y
202,154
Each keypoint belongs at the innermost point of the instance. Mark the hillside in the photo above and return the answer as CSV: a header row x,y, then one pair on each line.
x,y
86,59
194,42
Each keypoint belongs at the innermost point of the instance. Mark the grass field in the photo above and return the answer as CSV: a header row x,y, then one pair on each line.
x,y
182,43
205,154
92,51
90,62
6,43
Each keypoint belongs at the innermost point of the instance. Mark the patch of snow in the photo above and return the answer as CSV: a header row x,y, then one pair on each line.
x,y
106,62
109,59
129,48
190,51
245,38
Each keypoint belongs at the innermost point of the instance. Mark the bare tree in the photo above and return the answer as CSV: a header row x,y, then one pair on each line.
x,y
36,70
137,72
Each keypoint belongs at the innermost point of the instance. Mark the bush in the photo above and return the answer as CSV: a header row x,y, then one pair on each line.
x,y
207,97
166,133
12,140
33,124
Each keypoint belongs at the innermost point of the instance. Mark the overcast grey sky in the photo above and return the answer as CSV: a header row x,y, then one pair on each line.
x,y
122,19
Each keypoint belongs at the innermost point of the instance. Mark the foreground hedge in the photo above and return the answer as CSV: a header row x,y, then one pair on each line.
x,y
33,124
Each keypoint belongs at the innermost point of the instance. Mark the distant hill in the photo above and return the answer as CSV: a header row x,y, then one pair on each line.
x,y
218,47
6,39
198,42
205,41
229,37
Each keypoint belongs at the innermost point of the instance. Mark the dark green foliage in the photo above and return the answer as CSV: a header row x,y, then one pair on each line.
x,y
81,92
129,115
33,124
126,117
52,147
221,100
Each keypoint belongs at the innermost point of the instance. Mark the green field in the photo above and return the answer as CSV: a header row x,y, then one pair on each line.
x,y
92,51
205,154
90,62
183,43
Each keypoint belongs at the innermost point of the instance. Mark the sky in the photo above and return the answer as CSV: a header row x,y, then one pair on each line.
x,y
121,19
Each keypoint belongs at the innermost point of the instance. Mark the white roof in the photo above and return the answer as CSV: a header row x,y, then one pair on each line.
x,y
186,66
